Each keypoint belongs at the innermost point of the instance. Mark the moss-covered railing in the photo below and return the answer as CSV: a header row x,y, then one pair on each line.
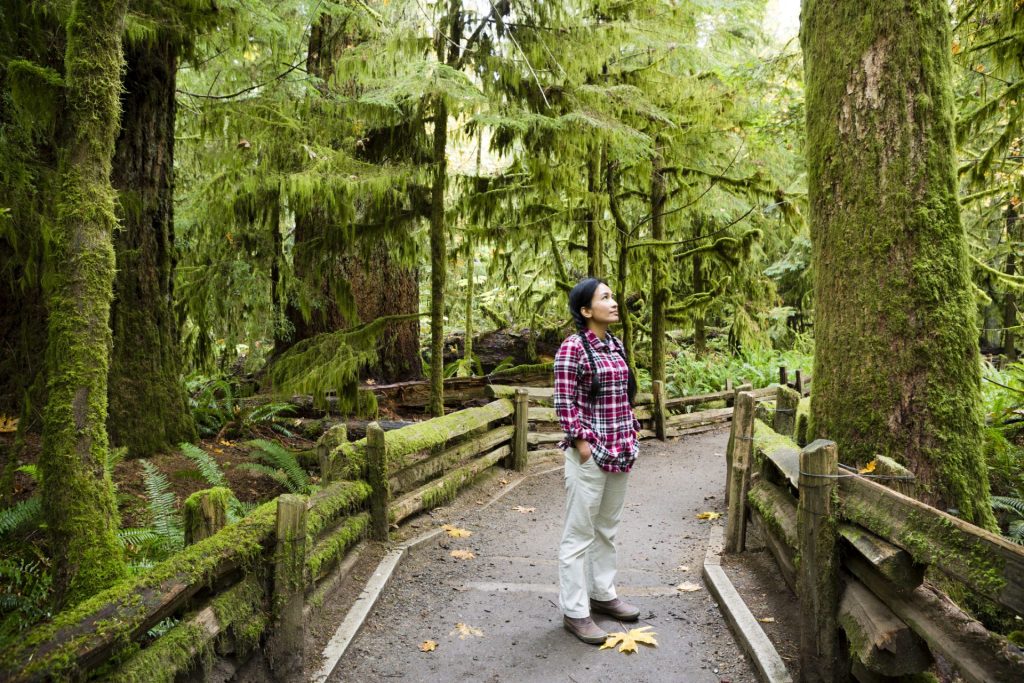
x,y
855,552
249,583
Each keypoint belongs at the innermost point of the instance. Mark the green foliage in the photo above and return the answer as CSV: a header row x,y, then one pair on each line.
x,y
1015,507
26,513
24,595
689,374
164,515
279,464
208,467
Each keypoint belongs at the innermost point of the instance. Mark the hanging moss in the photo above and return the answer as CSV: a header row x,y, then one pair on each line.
x,y
896,365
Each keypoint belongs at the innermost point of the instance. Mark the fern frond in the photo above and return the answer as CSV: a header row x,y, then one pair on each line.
x,y
1008,504
136,537
27,512
277,475
208,467
167,522
281,458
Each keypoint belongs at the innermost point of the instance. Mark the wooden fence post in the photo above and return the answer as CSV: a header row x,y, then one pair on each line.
x,y
801,389
377,477
786,402
205,513
285,648
325,445
521,403
738,480
730,399
783,376
728,449
658,388
818,573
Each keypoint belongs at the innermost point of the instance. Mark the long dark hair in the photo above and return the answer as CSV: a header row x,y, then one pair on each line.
x,y
582,295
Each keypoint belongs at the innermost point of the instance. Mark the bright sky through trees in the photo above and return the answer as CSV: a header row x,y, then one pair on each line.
x,y
782,19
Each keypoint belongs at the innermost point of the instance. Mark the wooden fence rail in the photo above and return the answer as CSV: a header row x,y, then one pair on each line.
x,y
861,566
235,585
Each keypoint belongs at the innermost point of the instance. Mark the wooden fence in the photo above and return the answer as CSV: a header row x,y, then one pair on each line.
x,y
855,553
252,582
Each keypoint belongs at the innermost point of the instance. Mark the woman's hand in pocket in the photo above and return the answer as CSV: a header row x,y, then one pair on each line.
x,y
583,446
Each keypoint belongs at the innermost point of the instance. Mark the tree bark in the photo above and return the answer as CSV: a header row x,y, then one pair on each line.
x,y
148,409
1010,298
700,339
78,500
896,364
659,283
595,238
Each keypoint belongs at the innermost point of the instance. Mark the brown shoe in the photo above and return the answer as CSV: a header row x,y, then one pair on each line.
x,y
585,629
623,611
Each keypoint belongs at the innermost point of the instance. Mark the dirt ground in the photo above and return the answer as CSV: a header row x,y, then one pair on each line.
x,y
508,591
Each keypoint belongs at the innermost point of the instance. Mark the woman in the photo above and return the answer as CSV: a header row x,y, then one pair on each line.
x,y
592,392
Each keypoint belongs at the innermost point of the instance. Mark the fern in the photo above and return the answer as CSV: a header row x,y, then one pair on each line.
x,y
280,458
24,595
1008,504
167,524
136,538
27,512
208,467
277,475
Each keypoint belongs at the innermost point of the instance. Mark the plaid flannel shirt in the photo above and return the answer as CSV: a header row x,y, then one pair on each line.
x,y
608,423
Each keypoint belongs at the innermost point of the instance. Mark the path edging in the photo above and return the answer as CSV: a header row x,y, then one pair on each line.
x,y
752,637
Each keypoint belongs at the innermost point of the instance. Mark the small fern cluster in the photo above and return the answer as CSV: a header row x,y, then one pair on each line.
x,y
1015,508
279,464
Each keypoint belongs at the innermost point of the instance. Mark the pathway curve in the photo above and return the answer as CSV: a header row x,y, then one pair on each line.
x,y
509,591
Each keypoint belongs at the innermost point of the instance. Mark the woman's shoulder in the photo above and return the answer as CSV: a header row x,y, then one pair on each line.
x,y
571,346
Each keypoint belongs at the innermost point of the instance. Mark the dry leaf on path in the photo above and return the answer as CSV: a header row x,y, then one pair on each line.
x,y
524,510
456,532
466,631
683,567
688,587
869,468
709,515
428,646
767,620
463,554
631,639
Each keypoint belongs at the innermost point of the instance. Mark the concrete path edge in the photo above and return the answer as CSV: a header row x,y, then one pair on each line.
x,y
742,622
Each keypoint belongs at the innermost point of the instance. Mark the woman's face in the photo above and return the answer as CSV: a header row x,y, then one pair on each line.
x,y
603,310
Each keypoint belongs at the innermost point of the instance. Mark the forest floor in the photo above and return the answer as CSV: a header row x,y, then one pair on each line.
x,y
507,593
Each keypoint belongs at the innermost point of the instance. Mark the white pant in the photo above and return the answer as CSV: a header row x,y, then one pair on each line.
x,y
586,556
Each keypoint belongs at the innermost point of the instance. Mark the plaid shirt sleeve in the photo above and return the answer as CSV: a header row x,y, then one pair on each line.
x,y
568,363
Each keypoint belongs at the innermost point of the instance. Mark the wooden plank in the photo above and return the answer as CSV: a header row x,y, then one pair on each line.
x,y
540,414
779,451
521,426
697,399
879,639
509,391
979,655
539,438
440,430
892,562
739,478
777,508
412,476
783,554
818,573
697,419
444,489
987,563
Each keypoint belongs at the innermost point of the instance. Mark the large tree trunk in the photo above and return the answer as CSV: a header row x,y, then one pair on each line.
x,y
659,283
595,236
896,370
1010,298
78,500
148,409
700,337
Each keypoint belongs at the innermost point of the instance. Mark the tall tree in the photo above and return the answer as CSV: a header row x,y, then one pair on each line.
x,y
896,366
78,499
148,410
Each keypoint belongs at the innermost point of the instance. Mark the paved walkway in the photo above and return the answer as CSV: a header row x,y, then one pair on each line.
x,y
509,591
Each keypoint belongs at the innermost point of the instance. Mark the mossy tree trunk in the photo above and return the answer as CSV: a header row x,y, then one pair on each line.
x,y
595,237
622,267
148,409
896,369
447,47
78,500
659,283
700,339
1010,298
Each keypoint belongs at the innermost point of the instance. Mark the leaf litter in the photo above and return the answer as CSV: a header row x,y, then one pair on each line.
x,y
456,532
466,631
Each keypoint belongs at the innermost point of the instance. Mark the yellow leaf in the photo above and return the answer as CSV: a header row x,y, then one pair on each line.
x,y
524,510
466,631
8,424
767,620
956,47
218,451
428,646
688,587
869,468
709,515
229,444
683,567
456,532
630,640
980,68
463,554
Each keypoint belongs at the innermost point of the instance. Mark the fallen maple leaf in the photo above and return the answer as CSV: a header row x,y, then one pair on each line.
x,y
218,451
463,554
503,482
869,468
456,532
688,587
524,510
466,631
229,444
8,424
630,640
709,515
428,646
767,620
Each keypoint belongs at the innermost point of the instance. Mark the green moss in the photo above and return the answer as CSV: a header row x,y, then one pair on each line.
x,y
172,653
242,610
524,369
439,430
803,422
220,498
331,548
331,502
